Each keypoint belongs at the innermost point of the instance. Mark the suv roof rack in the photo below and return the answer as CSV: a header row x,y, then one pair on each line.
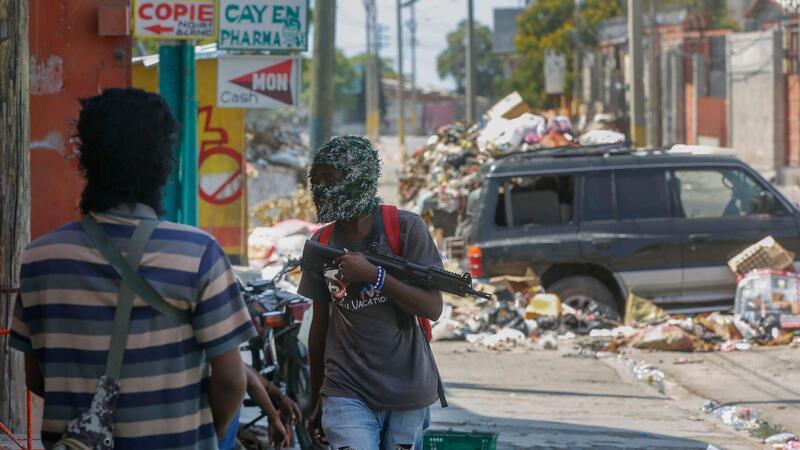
x,y
568,151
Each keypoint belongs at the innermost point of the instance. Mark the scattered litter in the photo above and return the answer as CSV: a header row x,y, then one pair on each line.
x,y
741,418
780,438
709,405
664,337
594,137
648,374
284,239
543,305
502,340
639,310
447,330
547,342
681,361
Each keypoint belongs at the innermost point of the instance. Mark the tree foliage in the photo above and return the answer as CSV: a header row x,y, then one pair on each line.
x,y
550,24
451,62
344,77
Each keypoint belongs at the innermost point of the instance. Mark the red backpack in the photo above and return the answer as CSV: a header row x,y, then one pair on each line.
x,y
391,226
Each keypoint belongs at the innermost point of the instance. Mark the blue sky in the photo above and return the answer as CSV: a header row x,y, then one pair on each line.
x,y
435,19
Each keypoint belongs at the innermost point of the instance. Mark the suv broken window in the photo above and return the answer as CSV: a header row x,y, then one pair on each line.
x,y
536,200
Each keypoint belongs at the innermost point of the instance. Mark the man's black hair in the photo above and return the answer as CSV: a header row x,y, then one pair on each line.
x,y
126,141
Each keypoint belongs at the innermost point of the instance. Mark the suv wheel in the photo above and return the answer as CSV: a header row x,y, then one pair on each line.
x,y
586,294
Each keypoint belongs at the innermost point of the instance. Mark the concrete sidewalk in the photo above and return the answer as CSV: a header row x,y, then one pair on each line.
x,y
545,399
766,379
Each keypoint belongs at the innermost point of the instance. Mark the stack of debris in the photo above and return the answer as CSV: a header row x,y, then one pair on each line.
x,y
438,177
278,141
522,315
279,242
277,154
767,313
298,205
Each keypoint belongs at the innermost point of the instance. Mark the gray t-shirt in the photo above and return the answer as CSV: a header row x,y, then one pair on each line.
x,y
374,351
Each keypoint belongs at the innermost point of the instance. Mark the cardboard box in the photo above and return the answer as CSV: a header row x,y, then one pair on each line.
x,y
509,107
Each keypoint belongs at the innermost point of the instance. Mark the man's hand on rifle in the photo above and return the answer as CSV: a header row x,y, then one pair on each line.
x,y
355,268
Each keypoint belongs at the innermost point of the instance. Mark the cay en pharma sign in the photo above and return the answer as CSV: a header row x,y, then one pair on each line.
x,y
263,25
257,81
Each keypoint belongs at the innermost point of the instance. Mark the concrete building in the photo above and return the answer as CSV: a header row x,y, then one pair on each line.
x,y
700,83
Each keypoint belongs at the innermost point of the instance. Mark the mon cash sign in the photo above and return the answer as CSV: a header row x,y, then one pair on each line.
x,y
263,25
257,81
174,19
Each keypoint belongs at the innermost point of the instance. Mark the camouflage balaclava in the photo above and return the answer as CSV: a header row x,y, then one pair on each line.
x,y
356,193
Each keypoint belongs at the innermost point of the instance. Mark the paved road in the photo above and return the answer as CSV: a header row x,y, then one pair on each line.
x,y
543,399
766,379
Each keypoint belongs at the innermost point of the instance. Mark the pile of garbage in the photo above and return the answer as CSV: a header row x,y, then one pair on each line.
x,y
298,205
279,242
522,315
438,177
276,141
766,313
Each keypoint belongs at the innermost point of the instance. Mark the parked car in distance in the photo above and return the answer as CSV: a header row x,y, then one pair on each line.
x,y
596,223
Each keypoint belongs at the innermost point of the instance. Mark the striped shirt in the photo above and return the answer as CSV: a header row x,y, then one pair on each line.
x,y
64,316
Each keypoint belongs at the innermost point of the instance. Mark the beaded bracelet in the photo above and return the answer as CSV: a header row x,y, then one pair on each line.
x,y
378,285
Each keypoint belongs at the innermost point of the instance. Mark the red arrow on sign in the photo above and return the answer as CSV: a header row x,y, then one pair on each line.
x,y
272,81
158,28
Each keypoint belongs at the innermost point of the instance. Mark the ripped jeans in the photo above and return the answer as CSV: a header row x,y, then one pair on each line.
x,y
350,424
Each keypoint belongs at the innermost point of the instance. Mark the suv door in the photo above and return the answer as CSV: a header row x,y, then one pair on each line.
x,y
525,221
720,211
626,226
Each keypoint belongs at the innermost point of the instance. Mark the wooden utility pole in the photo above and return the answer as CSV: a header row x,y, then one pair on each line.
x,y
470,63
413,27
14,195
636,73
401,86
322,68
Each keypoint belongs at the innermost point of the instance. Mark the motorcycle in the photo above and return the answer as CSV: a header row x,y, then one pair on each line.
x,y
276,352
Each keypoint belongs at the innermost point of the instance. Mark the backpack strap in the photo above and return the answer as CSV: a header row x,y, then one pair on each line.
x,y
326,233
391,226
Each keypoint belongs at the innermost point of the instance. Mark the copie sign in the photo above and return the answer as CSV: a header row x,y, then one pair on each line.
x,y
257,81
174,19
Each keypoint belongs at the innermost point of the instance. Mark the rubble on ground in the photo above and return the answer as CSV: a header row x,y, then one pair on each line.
x,y
767,313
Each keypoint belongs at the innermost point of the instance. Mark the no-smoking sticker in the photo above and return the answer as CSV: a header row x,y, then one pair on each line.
x,y
225,184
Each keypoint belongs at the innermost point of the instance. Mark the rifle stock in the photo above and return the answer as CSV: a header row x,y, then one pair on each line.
x,y
318,257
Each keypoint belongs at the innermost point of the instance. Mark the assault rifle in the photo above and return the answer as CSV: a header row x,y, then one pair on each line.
x,y
319,257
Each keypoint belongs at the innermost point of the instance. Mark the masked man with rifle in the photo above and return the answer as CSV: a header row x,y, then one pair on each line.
x,y
373,375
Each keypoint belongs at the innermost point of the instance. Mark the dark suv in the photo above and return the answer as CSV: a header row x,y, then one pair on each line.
x,y
597,223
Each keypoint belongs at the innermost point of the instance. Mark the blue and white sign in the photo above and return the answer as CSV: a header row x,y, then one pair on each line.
x,y
271,25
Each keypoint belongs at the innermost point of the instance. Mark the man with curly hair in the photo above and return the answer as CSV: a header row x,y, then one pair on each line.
x,y
373,375
181,381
